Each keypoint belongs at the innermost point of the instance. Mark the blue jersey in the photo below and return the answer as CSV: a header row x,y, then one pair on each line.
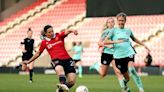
x,y
124,49
103,36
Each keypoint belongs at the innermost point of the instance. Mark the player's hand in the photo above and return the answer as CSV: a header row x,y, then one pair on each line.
x,y
75,32
101,44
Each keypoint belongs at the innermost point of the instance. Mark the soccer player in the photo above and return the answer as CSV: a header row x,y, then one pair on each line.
x,y
61,61
107,55
124,52
27,47
77,50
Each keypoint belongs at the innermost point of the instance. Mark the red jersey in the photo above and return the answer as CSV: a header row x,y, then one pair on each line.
x,y
55,46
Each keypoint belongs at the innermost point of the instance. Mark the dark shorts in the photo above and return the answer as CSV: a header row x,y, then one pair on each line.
x,y
68,65
106,59
77,60
26,56
122,63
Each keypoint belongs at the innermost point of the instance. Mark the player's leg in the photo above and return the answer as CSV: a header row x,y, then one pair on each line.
x,y
119,75
71,79
135,76
70,72
59,69
62,78
106,59
24,67
122,65
103,68
80,68
31,65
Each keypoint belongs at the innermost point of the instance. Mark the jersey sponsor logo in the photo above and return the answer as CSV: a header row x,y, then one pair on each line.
x,y
131,56
49,46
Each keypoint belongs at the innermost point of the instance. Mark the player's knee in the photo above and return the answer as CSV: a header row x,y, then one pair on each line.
x,y
103,75
71,83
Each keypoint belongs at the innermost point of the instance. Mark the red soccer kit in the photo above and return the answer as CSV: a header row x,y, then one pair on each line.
x,y
55,47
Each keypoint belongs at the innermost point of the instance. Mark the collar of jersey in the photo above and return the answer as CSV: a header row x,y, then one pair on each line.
x,y
48,39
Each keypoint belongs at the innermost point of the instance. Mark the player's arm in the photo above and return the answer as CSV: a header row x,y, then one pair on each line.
x,y
100,43
22,47
36,55
107,41
140,43
67,32
34,47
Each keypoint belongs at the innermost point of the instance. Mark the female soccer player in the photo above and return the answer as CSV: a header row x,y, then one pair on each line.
x,y
61,61
107,54
124,52
77,50
27,47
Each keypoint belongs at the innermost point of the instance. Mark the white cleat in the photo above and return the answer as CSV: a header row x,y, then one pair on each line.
x,y
63,87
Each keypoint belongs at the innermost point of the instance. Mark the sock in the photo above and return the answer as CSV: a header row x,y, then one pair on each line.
x,y
122,84
80,70
135,77
96,66
31,73
62,79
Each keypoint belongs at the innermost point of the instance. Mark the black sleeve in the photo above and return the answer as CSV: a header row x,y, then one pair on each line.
x,y
23,42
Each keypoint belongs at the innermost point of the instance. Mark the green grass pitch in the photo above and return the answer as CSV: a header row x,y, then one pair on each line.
x,y
47,83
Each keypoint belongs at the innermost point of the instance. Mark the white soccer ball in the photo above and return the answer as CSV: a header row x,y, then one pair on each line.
x,y
82,88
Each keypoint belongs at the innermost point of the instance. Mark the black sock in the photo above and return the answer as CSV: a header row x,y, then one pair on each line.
x,y
31,73
62,79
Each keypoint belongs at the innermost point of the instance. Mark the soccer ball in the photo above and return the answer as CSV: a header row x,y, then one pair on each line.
x,y
82,88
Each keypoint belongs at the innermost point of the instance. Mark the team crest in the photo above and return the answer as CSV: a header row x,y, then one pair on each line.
x,y
104,62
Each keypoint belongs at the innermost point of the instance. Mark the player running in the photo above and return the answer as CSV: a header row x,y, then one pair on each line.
x,y
107,55
124,52
77,51
27,47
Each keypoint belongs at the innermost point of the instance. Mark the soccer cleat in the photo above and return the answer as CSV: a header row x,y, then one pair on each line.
x,y
63,87
30,81
141,90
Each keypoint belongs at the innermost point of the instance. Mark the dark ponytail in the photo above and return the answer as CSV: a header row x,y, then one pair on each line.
x,y
29,29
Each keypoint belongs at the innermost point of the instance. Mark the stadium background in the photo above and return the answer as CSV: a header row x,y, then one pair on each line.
x,y
146,19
